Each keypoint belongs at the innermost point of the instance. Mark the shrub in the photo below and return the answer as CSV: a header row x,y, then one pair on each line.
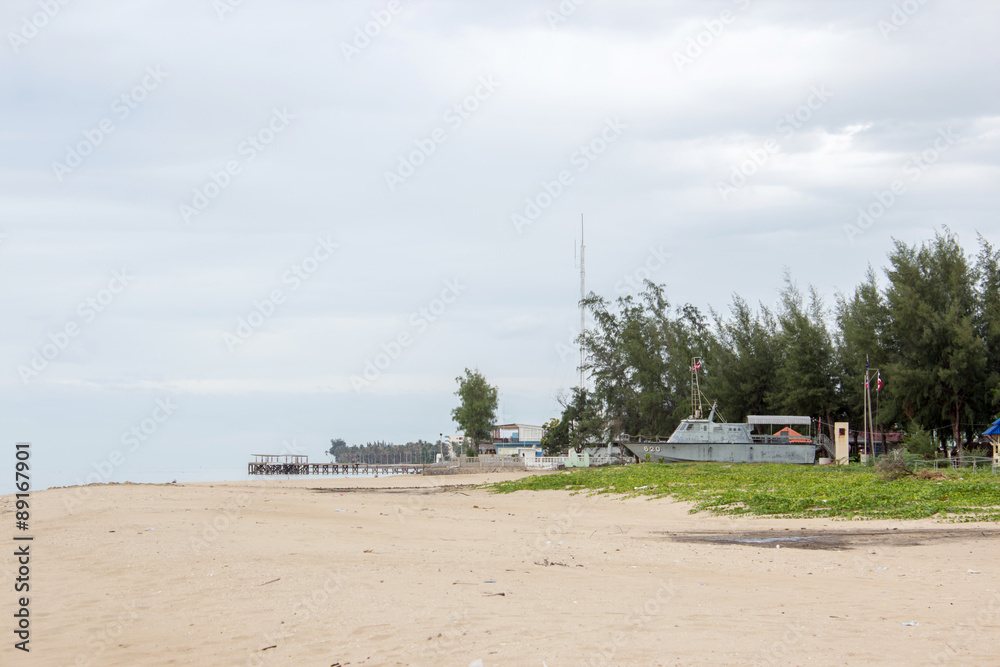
x,y
893,466
920,443
984,452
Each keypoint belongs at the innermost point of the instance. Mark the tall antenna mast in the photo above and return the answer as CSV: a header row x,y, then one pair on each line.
x,y
583,294
696,409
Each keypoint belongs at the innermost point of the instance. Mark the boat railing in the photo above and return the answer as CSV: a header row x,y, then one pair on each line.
x,y
643,439
770,439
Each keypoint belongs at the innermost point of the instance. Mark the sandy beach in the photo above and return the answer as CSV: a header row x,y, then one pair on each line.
x,y
431,571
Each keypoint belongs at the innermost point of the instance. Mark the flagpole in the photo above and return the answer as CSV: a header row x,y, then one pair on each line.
x,y
868,396
878,401
871,421
864,410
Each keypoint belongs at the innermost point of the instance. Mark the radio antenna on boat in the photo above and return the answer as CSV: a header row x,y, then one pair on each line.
x,y
696,409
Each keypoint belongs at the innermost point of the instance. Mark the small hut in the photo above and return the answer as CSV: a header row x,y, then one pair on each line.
x,y
793,435
993,435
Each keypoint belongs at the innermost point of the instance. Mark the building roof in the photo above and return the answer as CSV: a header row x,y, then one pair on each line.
x,y
994,429
793,436
779,419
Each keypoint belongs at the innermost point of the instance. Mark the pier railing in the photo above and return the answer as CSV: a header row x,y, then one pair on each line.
x,y
299,468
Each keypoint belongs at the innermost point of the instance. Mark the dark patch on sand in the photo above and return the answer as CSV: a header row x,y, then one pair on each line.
x,y
411,490
829,539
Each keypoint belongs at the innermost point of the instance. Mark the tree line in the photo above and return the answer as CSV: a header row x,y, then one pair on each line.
x,y
380,451
928,326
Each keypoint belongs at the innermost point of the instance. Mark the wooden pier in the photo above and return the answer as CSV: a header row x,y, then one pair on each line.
x,y
290,464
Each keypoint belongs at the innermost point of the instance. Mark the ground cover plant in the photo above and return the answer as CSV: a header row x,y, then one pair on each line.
x,y
841,492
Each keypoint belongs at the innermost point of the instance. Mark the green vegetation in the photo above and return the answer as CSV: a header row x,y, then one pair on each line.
x,y
928,323
787,491
477,412
581,422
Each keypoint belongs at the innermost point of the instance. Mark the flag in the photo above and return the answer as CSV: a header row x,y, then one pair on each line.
x,y
878,380
697,365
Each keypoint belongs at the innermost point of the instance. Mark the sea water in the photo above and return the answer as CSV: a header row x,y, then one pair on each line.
x,y
42,478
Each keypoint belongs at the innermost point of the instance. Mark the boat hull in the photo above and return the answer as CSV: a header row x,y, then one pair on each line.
x,y
802,453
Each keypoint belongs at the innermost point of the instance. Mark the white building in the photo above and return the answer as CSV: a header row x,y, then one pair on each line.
x,y
517,440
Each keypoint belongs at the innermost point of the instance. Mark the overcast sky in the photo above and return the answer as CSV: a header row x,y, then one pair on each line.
x,y
407,178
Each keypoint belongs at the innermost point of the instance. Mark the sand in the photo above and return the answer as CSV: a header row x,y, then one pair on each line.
x,y
425,571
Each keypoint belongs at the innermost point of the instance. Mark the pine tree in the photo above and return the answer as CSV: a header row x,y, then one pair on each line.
x,y
744,360
862,321
939,355
804,379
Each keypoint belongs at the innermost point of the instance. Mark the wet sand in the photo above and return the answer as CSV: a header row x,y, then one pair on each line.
x,y
430,571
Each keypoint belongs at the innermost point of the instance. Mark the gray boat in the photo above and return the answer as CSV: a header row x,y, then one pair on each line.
x,y
699,438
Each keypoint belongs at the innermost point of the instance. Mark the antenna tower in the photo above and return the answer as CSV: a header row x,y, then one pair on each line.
x,y
583,294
